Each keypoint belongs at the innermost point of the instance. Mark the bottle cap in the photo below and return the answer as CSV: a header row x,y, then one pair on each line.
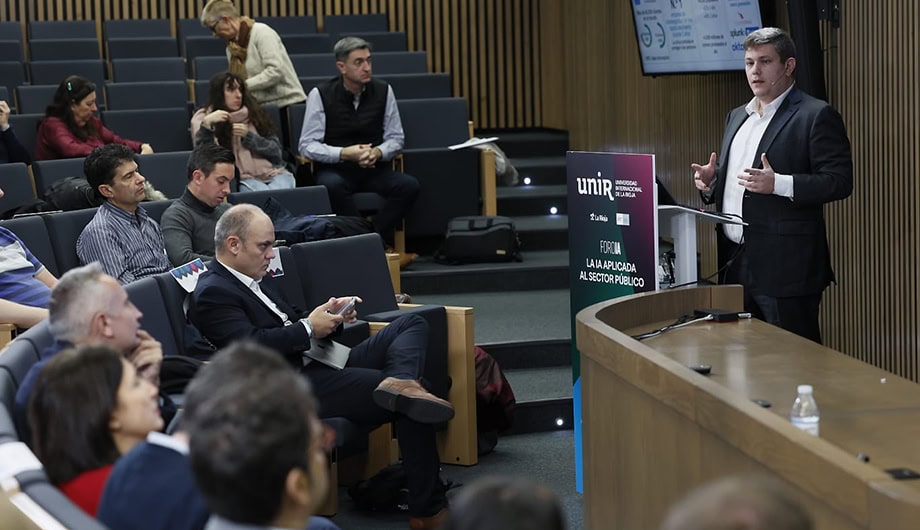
x,y
805,389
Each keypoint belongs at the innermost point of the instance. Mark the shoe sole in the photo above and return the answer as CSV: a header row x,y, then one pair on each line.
x,y
417,409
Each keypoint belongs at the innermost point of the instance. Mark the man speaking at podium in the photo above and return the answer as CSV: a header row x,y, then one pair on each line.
x,y
784,155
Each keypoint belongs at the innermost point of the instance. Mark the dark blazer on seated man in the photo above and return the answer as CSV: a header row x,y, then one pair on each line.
x,y
234,300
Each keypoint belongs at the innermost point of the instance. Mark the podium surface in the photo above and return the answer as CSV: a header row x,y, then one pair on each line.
x,y
654,429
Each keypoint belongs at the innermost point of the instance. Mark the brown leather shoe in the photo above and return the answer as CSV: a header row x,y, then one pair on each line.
x,y
407,397
406,259
428,523
403,298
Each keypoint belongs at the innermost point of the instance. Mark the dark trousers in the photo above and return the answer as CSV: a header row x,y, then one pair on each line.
x,y
399,191
398,350
796,314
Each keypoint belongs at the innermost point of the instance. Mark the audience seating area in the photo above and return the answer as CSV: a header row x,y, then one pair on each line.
x,y
309,278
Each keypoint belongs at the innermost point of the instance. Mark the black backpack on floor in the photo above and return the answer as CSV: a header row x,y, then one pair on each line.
x,y
479,239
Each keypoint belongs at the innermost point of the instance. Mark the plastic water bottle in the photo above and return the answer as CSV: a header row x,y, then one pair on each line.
x,y
805,413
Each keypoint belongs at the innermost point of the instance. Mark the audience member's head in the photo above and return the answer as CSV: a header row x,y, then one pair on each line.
x,y
211,168
256,445
112,172
222,18
505,503
243,239
88,306
87,408
353,59
738,503
74,103
227,91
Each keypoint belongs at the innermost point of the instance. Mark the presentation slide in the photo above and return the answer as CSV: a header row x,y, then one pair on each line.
x,y
680,36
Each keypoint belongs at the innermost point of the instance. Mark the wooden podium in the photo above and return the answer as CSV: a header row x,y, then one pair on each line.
x,y
653,429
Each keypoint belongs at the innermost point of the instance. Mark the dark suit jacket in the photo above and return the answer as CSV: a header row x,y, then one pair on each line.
x,y
786,240
225,310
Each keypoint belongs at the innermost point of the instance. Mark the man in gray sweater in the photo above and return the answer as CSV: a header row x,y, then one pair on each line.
x,y
188,224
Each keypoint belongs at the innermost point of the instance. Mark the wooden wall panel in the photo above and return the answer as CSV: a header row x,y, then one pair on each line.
x,y
873,75
491,48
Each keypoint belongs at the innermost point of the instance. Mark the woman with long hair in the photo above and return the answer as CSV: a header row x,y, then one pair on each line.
x,y
70,128
232,119
87,408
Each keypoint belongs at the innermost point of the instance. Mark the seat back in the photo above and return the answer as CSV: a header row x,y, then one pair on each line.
x,y
145,294
341,24
314,64
164,129
60,49
47,172
50,499
26,127
8,432
206,67
138,47
12,50
308,200
126,28
63,229
419,86
315,43
348,265
150,69
62,29
53,72
381,41
295,124
16,185
400,63
17,359
146,95
33,233
173,298
290,282
296,25
168,172
434,122
10,30
33,99
12,74
204,46
155,209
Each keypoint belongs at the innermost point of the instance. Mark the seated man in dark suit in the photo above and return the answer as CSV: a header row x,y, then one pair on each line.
x,y
379,382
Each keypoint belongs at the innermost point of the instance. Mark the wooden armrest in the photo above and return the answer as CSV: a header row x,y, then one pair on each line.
x,y
393,266
457,444
7,333
487,176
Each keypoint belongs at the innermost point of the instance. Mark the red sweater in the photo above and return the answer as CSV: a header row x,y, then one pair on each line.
x,y
55,140
86,489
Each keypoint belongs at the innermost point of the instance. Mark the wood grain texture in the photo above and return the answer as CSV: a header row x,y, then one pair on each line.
x,y
861,413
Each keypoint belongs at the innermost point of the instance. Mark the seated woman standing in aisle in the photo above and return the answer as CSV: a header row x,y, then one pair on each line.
x,y
89,407
232,119
70,129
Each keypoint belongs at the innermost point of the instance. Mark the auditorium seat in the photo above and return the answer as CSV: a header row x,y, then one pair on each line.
x,y
323,64
10,30
341,24
16,185
204,46
62,29
204,68
316,43
164,129
189,27
150,69
451,182
53,72
405,86
26,126
12,73
141,47
155,209
168,172
63,229
63,49
292,25
126,28
145,294
146,95
11,50
307,200
381,41
34,99
33,232
5,96
47,172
